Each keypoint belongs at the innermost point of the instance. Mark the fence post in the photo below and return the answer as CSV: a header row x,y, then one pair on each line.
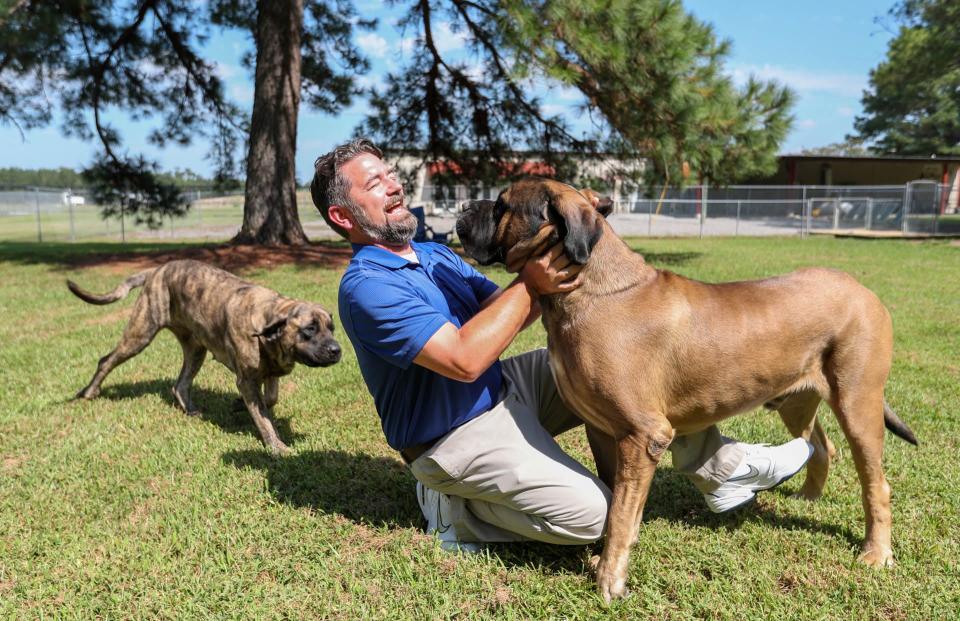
x,y
904,228
836,213
804,222
649,218
123,230
704,201
936,211
736,228
36,199
73,230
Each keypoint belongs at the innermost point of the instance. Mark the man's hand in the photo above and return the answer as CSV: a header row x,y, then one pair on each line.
x,y
551,272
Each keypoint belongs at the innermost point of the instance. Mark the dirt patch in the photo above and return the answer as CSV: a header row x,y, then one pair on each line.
x,y
224,256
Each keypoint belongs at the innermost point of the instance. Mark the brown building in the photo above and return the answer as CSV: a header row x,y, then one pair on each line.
x,y
862,170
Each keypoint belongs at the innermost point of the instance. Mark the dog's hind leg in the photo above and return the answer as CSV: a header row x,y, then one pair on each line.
x,y
799,414
193,356
137,335
860,412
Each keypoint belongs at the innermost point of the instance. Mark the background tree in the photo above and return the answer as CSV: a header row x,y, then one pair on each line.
x,y
651,75
912,106
144,58
650,72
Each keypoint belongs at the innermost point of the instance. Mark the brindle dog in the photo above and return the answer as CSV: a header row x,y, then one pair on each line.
x,y
642,354
255,332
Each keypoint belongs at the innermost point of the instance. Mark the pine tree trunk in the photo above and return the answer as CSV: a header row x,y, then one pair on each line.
x,y
270,201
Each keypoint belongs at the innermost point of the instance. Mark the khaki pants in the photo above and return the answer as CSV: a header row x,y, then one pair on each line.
x,y
509,480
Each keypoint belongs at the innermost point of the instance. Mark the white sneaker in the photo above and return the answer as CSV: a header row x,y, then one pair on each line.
x,y
769,466
437,511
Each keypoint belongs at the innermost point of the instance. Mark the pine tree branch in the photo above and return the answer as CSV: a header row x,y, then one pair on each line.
x,y
190,62
502,72
16,7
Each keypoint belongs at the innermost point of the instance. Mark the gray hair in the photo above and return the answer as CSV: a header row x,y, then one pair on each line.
x,y
329,186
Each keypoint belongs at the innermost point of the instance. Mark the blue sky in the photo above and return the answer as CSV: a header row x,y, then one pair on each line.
x,y
823,50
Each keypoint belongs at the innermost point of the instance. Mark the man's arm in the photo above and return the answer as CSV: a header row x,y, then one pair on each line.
x,y
532,316
466,353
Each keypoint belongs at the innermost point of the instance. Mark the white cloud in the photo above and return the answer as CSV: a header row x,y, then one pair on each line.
x,y
846,84
226,71
446,39
845,111
373,44
243,93
807,124
407,45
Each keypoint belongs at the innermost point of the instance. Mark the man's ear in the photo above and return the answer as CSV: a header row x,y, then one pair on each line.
x,y
339,216
581,225
603,204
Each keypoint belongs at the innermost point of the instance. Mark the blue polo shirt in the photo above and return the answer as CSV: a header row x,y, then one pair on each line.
x,y
390,307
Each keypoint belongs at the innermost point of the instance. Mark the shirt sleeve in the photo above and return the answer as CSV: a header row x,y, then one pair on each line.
x,y
482,286
390,320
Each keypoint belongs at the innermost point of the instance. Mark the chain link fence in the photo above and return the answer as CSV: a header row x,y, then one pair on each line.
x,y
58,214
919,208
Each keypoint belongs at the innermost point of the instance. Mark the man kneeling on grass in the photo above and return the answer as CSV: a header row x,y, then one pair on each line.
x,y
478,432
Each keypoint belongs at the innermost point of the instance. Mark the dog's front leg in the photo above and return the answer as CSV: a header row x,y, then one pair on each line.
x,y
271,393
250,391
637,458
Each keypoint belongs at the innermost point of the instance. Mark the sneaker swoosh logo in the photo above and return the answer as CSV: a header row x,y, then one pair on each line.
x,y
754,471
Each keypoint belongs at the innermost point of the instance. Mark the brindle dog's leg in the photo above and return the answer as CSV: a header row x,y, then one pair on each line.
x,y
250,391
799,414
271,392
637,458
137,335
193,357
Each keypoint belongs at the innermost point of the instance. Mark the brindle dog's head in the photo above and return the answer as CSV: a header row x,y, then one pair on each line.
x,y
300,332
516,224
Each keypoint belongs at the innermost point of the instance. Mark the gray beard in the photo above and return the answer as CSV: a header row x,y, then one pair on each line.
x,y
391,233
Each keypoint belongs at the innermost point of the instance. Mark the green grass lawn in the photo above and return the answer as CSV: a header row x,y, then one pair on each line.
x,y
125,507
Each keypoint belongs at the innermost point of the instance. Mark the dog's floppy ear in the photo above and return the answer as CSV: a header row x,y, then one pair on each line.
x,y
272,330
603,204
582,224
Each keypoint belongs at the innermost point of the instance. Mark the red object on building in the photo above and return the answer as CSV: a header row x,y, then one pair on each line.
x,y
508,169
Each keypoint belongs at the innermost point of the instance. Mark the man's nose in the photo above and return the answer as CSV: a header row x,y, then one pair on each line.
x,y
394,185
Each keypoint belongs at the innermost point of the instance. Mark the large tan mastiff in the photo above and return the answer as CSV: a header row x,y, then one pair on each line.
x,y
643,354
254,331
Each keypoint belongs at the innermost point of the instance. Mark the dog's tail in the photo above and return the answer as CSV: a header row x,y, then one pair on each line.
x,y
896,426
119,293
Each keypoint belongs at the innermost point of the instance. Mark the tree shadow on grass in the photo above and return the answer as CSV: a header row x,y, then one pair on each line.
x,y
380,491
220,408
362,488
131,257
672,259
674,498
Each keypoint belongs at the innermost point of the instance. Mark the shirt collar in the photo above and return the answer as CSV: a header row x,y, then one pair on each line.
x,y
385,258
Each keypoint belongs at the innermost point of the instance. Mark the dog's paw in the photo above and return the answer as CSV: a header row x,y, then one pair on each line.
x,y
879,556
808,495
280,449
612,588
612,584
87,393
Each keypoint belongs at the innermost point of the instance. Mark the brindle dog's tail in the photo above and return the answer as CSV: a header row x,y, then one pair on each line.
x,y
119,293
896,426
